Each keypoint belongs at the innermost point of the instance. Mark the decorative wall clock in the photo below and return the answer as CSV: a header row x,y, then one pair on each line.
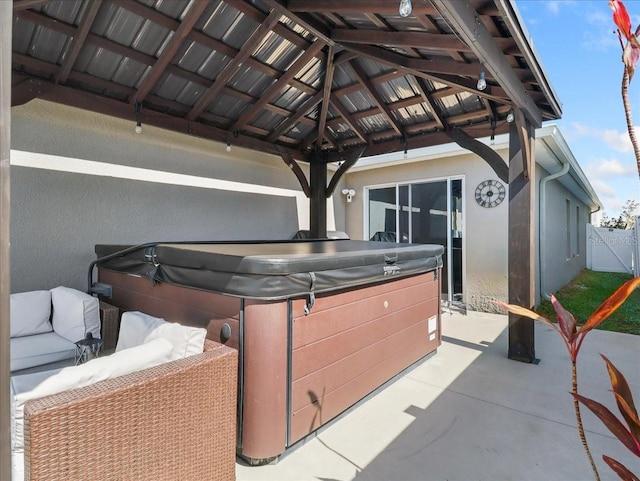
x,y
490,193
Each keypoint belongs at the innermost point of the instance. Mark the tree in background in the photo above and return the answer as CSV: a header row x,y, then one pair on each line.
x,y
626,220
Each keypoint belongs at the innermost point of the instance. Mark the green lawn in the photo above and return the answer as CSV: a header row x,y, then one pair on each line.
x,y
587,291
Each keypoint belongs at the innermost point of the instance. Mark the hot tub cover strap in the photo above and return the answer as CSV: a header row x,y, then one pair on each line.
x,y
312,297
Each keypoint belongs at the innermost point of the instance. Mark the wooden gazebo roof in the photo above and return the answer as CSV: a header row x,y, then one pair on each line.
x,y
292,78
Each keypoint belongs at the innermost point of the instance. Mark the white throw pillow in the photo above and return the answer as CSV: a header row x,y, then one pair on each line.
x,y
30,313
75,313
39,384
137,328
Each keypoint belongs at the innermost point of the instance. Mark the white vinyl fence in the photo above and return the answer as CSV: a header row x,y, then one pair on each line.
x,y
613,250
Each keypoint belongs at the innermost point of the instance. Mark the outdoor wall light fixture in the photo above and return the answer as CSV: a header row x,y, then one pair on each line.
x,y
138,110
405,8
482,81
510,116
349,193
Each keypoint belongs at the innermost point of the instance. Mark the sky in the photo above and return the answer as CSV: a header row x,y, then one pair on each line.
x,y
581,55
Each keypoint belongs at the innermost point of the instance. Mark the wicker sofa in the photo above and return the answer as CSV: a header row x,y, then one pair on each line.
x,y
173,421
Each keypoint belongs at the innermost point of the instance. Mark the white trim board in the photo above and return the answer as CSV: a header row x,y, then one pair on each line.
x,y
103,169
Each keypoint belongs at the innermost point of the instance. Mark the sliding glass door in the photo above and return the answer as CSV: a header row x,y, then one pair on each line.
x,y
423,213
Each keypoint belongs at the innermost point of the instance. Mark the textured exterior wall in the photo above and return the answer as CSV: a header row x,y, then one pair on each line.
x,y
562,262
58,216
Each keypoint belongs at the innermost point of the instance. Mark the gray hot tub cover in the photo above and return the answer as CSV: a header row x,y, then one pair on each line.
x,y
272,270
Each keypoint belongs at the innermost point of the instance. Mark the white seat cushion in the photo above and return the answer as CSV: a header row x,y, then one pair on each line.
x,y
137,328
30,313
75,313
30,351
44,383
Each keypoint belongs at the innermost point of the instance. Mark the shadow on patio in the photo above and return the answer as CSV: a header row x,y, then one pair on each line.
x,y
469,413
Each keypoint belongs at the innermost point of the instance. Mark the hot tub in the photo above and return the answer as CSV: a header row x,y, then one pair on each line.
x,y
319,325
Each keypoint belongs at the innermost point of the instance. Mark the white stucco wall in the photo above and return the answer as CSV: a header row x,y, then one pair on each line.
x,y
80,179
485,230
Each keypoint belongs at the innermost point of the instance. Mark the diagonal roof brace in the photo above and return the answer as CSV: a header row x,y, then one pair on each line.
x,y
464,19
490,156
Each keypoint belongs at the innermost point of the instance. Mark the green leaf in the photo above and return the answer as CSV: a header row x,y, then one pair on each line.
x,y
610,305
620,469
612,423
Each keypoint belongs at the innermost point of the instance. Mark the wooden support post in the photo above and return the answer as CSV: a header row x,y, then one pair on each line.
x,y
6,21
521,238
318,206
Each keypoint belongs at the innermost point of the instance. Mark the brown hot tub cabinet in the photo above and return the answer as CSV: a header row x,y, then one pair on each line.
x,y
318,324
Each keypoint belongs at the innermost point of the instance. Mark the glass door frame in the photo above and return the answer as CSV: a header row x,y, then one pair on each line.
x,y
449,297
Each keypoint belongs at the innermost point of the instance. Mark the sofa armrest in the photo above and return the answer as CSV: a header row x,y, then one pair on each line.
x,y
172,421
109,325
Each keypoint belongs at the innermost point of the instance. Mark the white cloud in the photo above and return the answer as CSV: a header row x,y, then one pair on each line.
x,y
607,168
604,190
553,7
613,138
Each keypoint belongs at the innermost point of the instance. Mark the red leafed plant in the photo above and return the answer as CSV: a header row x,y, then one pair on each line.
x,y
630,56
573,337
630,435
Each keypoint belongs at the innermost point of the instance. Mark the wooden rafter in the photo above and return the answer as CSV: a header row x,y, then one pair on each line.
x,y
169,51
301,62
430,101
346,117
383,7
19,5
465,20
326,95
367,33
78,41
250,45
375,96
292,120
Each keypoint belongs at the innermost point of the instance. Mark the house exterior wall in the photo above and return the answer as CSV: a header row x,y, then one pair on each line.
x,y
485,243
486,230
565,248
80,179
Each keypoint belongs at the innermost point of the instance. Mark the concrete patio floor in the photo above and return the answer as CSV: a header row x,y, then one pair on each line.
x,y
469,413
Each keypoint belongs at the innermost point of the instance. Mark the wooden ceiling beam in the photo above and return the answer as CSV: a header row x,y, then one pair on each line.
x,y
319,31
300,113
244,53
252,12
435,110
285,78
169,51
78,41
420,40
464,19
345,117
48,22
85,100
381,7
432,41
375,96
326,95
231,52
19,5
